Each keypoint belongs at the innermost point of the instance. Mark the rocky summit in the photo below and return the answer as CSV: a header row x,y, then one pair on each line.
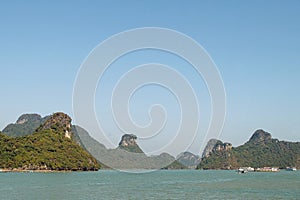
x,y
215,145
260,151
58,122
188,159
28,118
128,143
260,137
50,147
127,155
25,125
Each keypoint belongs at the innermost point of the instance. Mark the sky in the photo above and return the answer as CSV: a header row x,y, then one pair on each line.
x,y
254,44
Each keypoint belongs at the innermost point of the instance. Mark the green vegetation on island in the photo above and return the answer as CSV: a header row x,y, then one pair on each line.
x,y
53,143
260,151
128,143
25,125
49,148
128,155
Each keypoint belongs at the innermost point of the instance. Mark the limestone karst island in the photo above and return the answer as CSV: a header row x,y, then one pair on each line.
x,y
52,143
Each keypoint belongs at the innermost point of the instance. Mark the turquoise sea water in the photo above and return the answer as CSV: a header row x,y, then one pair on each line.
x,y
181,184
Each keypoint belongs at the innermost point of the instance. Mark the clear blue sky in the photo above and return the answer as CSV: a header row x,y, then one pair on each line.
x,y
255,44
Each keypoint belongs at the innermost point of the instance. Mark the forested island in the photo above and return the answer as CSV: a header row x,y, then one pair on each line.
x,y
52,143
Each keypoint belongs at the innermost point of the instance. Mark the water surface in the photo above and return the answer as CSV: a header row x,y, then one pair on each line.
x,y
179,184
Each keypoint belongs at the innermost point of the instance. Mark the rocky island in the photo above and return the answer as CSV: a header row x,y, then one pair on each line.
x,y
90,154
52,143
49,148
260,151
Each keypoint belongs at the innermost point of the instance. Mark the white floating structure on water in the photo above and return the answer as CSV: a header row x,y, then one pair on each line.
x,y
243,170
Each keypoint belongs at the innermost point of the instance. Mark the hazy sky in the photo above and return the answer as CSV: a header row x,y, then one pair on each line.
x,y
255,45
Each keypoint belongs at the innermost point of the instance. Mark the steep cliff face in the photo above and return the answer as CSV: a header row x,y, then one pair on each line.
x,y
189,159
215,145
58,122
260,151
260,137
128,140
209,147
128,155
25,125
222,147
52,132
25,118
128,143
48,148
28,124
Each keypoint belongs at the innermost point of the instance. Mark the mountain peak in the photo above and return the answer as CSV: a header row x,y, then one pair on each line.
x,y
260,151
28,118
128,143
214,145
189,159
128,140
58,122
25,125
45,149
260,137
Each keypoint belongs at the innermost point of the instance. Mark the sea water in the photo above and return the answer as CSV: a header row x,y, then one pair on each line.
x,y
163,184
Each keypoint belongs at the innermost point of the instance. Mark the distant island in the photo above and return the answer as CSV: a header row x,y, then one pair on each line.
x,y
260,151
52,143
62,146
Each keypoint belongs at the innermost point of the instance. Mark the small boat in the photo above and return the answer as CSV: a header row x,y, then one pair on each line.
x,y
242,170
291,169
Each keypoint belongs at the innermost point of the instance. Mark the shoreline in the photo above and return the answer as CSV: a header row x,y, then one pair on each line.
x,y
108,169
42,171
